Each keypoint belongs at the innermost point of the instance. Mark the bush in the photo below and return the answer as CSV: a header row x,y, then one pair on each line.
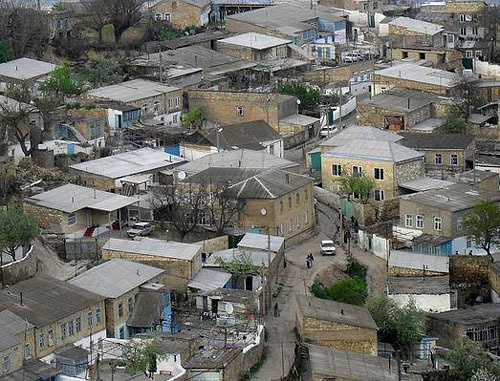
x,y
349,290
356,270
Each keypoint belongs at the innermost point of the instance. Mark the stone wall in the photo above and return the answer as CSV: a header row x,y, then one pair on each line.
x,y
182,14
19,270
341,73
214,244
382,82
405,271
408,170
469,275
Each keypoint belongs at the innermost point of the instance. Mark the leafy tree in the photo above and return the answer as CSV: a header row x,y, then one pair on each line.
x,y
468,358
141,357
308,96
100,72
483,224
359,185
16,229
241,265
348,290
483,374
61,83
467,89
453,125
400,326
193,118
355,269
4,51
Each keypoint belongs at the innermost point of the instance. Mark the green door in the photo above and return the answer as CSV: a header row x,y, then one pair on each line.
x,y
316,160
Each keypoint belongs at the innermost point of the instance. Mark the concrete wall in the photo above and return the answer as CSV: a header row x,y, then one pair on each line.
x,y
426,302
381,83
214,244
22,269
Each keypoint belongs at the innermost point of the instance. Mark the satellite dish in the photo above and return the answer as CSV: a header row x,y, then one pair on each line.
x,y
181,175
263,211
229,308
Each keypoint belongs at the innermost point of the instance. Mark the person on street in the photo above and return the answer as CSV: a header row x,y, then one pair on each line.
x,y
276,310
308,262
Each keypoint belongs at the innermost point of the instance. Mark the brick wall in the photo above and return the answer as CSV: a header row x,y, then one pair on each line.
x,y
469,275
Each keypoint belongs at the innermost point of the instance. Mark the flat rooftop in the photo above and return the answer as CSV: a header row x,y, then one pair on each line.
x,y
154,247
403,100
131,91
25,68
478,314
417,73
360,132
418,285
418,26
255,41
129,163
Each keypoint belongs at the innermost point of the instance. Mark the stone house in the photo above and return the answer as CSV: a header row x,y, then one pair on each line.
x,y
410,32
253,46
226,107
342,326
182,14
60,314
85,129
402,109
387,163
411,76
435,218
155,100
368,7
112,173
122,283
24,69
17,342
444,153
440,58
74,211
180,261
408,263
479,323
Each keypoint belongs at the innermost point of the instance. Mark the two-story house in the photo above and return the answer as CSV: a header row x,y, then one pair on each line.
x,y
408,32
24,69
435,218
123,283
387,163
60,313
182,14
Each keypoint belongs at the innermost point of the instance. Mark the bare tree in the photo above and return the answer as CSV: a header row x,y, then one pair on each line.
x,y
223,207
124,14
96,14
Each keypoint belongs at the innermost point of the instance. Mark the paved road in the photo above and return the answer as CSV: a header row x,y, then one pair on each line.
x,y
298,279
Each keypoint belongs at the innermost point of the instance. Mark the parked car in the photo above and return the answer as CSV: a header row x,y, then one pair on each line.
x,y
352,57
140,229
327,131
327,247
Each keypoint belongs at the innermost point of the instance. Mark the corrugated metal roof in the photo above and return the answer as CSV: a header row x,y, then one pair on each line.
x,y
129,163
360,132
418,26
411,260
418,285
208,280
262,242
70,197
115,277
154,247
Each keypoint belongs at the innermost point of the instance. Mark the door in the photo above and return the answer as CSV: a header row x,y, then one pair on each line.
x,y
249,283
215,306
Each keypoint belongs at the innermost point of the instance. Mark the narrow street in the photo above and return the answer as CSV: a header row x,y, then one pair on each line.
x,y
298,280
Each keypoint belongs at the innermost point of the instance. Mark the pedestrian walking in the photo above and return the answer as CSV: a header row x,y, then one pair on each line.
x,y
311,258
276,310
308,262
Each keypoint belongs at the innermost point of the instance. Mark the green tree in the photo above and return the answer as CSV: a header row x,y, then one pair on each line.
x,y
4,51
61,83
193,118
16,229
467,358
483,374
348,290
142,356
308,96
467,89
483,224
100,72
400,326
453,124
360,186
242,265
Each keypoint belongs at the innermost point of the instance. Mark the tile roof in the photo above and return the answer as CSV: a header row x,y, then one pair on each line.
x,y
115,277
154,247
329,310
436,140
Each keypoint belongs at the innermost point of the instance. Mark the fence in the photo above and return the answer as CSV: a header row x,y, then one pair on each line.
x,y
377,245
82,248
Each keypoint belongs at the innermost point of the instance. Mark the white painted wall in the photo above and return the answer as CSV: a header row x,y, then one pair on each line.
x,y
487,69
426,302
170,120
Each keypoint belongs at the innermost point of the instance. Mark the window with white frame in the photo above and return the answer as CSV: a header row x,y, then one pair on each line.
x,y
90,318
460,222
156,106
71,219
6,364
78,324
336,170
419,221
408,220
98,316
439,159
71,328
379,195
240,111
177,101
468,54
144,108
438,223
167,16
175,118
170,102
306,219
41,340
64,332
462,18
478,53
357,170
378,173
158,16
463,31
453,159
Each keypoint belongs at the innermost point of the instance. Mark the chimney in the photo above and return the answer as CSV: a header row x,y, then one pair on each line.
x,y
287,176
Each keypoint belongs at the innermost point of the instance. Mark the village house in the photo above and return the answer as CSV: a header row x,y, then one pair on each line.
x,y
479,323
112,173
256,135
411,32
182,14
402,109
445,58
74,211
125,284
444,153
342,326
84,129
253,46
411,76
387,163
156,100
483,179
60,313
180,261
369,7
278,110
24,70
434,218
407,263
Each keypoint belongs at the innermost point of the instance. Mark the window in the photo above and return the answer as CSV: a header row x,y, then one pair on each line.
x,y
439,159
41,340
462,18
379,173
357,170
145,109
453,159
240,111
451,38
6,363
474,31
120,310
289,203
95,131
291,226
175,118
177,101
460,221
462,31
71,328
64,332
130,303
78,325
336,170
438,223
281,207
122,333
375,5
306,195
408,220
297,199
98,314
27,351
421,56
306,219
157,16
419,221
167,16
298,221
478,54
156,106
170,102
90,318
379,195
271,149
468,54
404,55
71,219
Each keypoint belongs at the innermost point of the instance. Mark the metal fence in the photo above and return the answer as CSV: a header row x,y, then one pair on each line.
x,y
82,248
